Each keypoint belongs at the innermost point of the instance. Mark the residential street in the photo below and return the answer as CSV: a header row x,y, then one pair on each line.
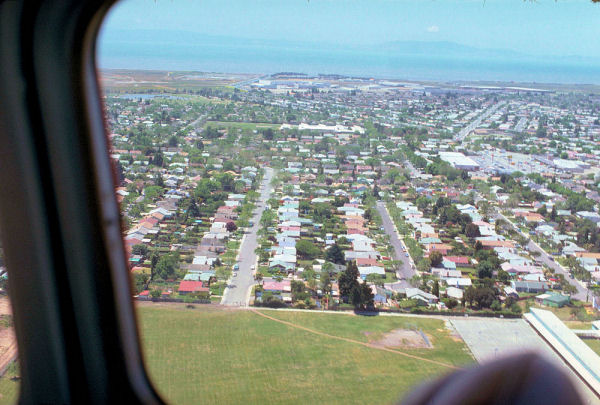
x,y
238,288
473,125
406,271
582,292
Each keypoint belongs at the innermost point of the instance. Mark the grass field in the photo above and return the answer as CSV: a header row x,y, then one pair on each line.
x,y
210,354
241,125
215,355
594,344
9,389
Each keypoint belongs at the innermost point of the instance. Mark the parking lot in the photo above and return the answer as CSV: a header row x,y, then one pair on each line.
x,y
493,338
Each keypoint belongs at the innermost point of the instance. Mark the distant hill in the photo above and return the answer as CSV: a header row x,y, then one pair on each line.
x,y
446,48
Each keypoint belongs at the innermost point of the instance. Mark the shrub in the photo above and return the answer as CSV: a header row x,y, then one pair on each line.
x,y
155,294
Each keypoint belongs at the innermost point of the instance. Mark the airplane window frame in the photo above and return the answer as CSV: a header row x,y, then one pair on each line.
x,y
70,289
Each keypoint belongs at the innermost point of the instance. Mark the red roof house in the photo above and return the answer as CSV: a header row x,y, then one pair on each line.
x,y
191,287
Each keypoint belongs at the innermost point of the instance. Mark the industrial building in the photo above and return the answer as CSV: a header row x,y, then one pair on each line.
x,y
459,160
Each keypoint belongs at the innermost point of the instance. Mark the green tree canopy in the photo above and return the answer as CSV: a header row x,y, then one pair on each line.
x,y
335,254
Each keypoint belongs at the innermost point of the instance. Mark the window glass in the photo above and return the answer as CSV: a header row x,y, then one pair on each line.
x,y
384,174
330,201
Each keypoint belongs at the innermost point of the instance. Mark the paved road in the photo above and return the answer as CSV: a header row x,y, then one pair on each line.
x,y
238,288
521,124
413,171
582,292
405,272
474,124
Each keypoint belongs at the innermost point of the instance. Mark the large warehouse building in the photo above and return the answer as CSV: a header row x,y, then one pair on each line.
x,y
459,161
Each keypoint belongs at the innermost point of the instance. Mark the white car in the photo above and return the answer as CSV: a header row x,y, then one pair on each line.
x,y
252,267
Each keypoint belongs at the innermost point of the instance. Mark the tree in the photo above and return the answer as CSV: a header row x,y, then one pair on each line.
x,y
366,295
542,210
335,254
436,258
451,303
484,297
173,141
139,249
153,262
192,209
231,226
267,218
376,279
153,192
140,280
304,206
422,203
306,249
158,159
436,289
298,291
361,296
469,295
472,231
503,276
515,308
485,269
166,266
325,281
553,213
158,180
355,296
155,293
348,279
268,134
424,265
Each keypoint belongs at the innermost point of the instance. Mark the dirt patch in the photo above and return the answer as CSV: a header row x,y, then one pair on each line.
x,y
405,338
452,332
7,337
184,307
5,306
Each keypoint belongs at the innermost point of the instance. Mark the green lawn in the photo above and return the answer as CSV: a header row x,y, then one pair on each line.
x,y
9,389
594,344
241,125
215,355
390,277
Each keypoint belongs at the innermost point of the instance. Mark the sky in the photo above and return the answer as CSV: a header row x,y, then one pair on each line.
x,y
542,27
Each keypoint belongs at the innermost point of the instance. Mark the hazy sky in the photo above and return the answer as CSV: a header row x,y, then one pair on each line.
x,y
543,27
